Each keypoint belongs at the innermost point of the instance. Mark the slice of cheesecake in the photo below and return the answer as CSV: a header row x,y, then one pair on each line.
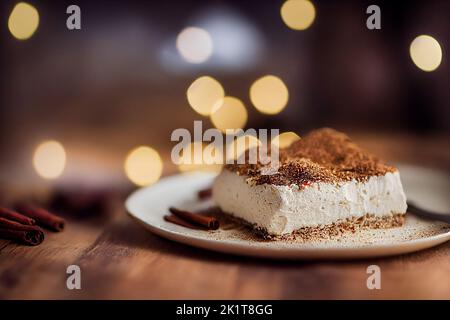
x,y
325,185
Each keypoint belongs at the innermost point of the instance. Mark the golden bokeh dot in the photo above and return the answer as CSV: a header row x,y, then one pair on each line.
x,y
298,14
203,94
143,166
285,139
49,159
229,114
23,21
195,45
241,144
199,156
269,94
426,53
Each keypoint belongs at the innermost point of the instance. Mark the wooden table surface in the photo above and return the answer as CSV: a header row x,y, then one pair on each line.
x,y
119,259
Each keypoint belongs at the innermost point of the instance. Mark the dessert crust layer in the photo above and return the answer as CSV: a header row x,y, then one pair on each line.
x,y
323,155
329,231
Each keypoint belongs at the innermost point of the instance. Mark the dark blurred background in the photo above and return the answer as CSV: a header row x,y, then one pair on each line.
x,y
120,82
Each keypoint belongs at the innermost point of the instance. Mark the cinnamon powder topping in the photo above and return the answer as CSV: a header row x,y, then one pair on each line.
x,y
323,155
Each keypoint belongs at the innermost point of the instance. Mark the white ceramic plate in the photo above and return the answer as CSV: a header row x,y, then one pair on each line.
x,y
428,187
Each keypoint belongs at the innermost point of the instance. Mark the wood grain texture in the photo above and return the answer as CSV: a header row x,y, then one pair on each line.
x,y
122,260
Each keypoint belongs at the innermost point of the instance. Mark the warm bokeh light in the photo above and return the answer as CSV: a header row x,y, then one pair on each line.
x,y
285,139
49,159
203,93
298,14
269,94
241,144
195,45
23,21
426,53
198,156
229,113
143,166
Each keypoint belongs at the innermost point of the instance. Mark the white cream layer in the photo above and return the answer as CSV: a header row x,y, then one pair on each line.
x,y
283,209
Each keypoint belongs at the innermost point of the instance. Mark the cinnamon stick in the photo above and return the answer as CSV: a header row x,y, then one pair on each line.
x,y
174,219
42,217
15,216
208,222
12,230
205,194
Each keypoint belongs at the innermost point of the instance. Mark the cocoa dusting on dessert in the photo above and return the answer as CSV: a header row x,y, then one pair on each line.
x,y
323,155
